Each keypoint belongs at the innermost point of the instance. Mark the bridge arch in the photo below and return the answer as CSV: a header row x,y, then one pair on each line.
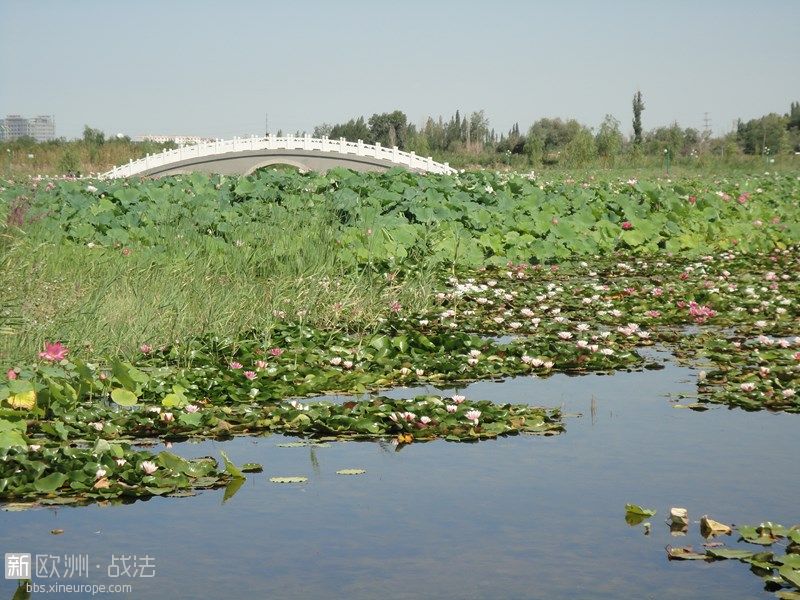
x,y
242,156
274,162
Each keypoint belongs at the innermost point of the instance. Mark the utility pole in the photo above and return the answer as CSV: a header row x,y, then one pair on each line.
x,y
266,124
706,121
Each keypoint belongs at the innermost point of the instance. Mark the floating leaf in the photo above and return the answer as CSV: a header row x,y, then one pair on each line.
x,y
50,483
56,531
251,468
635,514
732,553
231,468
124,397
686,553
791,575
288,479
350,472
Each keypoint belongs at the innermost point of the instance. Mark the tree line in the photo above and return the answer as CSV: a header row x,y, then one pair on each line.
x,y
569,142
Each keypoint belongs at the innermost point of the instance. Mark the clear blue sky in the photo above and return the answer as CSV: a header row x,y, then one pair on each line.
x,y
215,68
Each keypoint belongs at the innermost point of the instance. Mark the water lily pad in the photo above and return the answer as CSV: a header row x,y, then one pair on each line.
x,y
635,514
350,472
231,468
685,553
729,553
251,468
50,483
124,397
288,479
18,506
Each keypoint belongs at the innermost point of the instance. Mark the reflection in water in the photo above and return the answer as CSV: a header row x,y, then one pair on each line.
x,y
519,517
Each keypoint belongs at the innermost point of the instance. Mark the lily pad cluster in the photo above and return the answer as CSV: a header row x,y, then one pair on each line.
x,y
777,562
56,474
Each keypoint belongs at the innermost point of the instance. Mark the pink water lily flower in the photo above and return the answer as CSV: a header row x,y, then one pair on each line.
x,y
54,351
473,415
250,375
235,365
276,351
11,374
192,408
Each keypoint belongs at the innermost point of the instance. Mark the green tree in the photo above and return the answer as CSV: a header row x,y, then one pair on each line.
x,y
93,136
581,149
638,107
353,130
765,135
609,138
323,130
390,129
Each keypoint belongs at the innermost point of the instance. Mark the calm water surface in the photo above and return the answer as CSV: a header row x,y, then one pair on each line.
x,y
521,517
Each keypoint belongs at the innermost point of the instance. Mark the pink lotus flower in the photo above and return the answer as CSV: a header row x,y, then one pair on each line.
x,y
627,225
473,415
276,351
11,374
54,352
235,365
250,375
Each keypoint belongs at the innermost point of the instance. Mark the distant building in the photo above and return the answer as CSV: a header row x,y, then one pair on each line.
x,y
42,128
181,140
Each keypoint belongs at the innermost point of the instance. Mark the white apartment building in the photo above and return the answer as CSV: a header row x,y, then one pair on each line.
x,y
42,128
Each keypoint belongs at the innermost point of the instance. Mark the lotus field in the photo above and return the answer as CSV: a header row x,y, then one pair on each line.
x,y
141,312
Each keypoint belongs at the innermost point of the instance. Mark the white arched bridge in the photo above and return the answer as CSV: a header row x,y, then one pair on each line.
x,y
242,156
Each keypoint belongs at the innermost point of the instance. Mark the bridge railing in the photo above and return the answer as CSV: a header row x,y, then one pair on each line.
x,y
271,142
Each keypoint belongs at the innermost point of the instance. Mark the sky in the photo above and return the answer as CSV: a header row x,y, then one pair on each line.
x,y
214,68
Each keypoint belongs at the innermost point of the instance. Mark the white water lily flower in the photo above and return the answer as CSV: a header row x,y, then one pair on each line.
x,y
149,467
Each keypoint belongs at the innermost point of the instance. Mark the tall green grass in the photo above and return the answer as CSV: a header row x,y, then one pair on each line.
x,y
110,300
